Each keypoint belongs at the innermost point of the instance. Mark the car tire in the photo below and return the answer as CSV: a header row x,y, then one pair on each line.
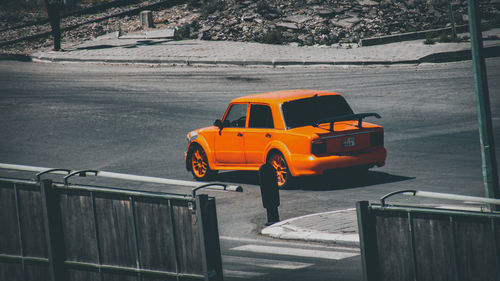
x,y
199,164
283,175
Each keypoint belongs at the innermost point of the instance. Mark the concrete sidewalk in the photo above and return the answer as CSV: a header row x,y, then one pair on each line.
x,y
111,49
338,227
335,227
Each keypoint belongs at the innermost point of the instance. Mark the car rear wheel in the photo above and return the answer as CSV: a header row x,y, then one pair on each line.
x,y
199,164
283,174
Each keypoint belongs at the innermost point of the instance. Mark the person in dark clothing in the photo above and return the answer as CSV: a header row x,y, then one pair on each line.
x,y
53,8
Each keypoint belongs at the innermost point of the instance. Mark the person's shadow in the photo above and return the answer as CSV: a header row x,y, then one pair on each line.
x,y
139,43
341,179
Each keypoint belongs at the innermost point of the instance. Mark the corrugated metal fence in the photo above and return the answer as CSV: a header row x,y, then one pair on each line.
x,y
413,243
67,232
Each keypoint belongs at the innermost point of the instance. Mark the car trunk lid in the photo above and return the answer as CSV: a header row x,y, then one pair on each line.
x,y
345,138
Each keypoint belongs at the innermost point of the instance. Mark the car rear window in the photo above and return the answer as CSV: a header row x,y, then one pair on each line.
x,y
304,112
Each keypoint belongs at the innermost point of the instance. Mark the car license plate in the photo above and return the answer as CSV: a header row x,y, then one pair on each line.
x,y
349,142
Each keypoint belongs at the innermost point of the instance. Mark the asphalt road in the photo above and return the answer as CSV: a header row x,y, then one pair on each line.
x,y
134,120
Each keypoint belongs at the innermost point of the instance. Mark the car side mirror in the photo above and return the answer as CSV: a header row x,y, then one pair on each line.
x,y
218,123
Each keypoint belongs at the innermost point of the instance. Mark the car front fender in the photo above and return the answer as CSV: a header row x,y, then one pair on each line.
x,y
201,141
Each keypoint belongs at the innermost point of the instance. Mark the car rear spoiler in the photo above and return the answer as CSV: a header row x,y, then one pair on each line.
x,y
359,117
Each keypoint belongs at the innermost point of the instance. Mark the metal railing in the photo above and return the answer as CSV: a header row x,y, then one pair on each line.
x,y
68,173
438,195
401,242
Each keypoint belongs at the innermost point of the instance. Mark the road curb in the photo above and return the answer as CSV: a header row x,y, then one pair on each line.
x,y
215,62
451,56
288,231
488,52
380,40
15,57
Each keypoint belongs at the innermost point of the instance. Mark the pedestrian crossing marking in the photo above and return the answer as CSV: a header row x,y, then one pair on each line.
x,y
267,263
320,254
289,243
242,274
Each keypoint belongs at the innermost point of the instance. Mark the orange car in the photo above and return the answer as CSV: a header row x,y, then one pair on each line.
x,y
299,132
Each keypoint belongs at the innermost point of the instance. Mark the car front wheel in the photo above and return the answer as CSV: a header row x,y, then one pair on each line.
x,y
199,164
283,175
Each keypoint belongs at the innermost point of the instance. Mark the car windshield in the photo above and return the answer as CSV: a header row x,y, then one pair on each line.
x,y
306,111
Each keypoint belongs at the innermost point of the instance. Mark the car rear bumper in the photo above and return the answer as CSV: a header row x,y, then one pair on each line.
x,y
305,165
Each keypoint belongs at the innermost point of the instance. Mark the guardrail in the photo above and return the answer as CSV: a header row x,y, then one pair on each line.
x,y
61,231
438,195
415,243
111,175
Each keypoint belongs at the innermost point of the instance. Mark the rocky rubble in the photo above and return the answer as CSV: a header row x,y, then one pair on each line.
x,y
16,15
310,22
302,22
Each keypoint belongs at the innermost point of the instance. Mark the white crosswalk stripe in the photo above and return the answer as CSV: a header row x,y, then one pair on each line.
x,y
294,244
242,274
267,263
244,267
320,254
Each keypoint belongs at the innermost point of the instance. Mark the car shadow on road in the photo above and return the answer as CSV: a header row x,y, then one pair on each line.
x,y
241,177
335,181
339,181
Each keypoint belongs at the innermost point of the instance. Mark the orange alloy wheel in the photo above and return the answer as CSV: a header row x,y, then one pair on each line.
x,y
199,163
279,164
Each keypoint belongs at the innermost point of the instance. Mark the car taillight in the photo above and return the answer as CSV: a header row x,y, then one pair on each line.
x,y
318,147
377,139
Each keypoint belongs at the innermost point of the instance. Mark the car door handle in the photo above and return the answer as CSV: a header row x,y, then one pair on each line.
x,y
268,135
239,134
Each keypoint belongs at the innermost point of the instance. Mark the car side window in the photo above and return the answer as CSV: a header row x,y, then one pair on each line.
x,y
261,117
236,116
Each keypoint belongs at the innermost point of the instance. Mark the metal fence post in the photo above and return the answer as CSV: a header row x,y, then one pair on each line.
x,y
454,259
413,256
96,235
53,231
174,238
136,241
495,244
209,235
486,136
367,242
20,230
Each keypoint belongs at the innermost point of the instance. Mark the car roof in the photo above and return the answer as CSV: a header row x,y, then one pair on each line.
x,y
282,96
